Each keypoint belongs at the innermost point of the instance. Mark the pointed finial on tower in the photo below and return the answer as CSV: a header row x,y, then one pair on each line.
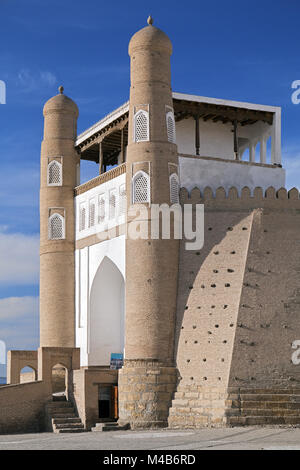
x,y
61,89
150,20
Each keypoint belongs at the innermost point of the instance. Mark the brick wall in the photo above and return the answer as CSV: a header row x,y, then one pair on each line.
x,y
22,407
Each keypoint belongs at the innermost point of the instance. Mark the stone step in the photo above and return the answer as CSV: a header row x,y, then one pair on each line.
x,y
270,412
68,430
112,426
63,415
271,391
263,420
59,404
265,405
66,411
68,425
59,398
64,419
270,397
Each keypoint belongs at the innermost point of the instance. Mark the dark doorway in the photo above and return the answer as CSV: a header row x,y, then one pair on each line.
x,y
108,401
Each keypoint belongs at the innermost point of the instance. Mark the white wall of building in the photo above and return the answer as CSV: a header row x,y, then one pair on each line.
x,y
115,186
205,172
216,139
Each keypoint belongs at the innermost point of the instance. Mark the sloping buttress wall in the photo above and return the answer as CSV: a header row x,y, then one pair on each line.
x,y
237,304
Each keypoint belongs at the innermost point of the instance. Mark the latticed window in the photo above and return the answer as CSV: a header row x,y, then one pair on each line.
x,y
174,189
101,208
112,205
82,214
141,188
55,173
122,200
56,227
92,212
171,130
141,126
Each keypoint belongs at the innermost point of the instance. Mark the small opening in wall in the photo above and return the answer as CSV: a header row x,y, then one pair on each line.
x,y
59,380
28,374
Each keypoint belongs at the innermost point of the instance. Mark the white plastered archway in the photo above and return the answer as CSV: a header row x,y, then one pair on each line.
x,y
107,311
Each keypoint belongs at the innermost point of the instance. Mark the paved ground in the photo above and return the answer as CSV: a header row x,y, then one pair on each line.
x,y
268,438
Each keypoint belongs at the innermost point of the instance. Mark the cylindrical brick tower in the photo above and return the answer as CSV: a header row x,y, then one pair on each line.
x,y
148,378
59,162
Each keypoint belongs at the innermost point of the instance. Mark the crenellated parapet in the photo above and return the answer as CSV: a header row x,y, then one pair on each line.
x,y
245,199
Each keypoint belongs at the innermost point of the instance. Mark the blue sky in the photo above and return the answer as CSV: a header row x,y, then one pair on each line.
x,y
221,49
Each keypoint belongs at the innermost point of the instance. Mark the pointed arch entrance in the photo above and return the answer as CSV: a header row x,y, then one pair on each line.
x,y
107,311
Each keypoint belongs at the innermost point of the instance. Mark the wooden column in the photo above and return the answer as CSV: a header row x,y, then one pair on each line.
x,y
122,146
197,135
100,158
235,141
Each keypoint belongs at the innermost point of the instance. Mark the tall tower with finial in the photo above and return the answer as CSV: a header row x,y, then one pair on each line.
x,y
148,378
59,163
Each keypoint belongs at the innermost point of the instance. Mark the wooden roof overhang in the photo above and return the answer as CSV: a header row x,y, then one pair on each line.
x,y
111,138
223,113
115,135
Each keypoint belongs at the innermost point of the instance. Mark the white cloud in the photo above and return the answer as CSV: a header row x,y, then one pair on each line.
x,y
19,258
48,78
13,308
19,322
29,81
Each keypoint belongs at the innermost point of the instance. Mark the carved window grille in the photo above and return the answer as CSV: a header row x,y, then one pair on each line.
x,y
92,213
56,227
122,200
174,189
101,208
82,218
141,126
112,204
54,173
171,128
141,188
